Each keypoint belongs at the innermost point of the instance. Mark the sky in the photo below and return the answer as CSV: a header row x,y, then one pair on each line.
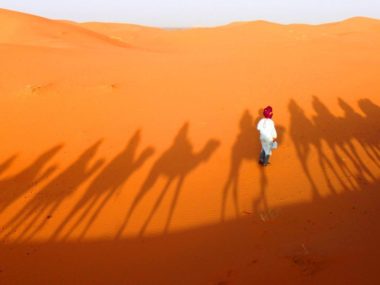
x,y
195,13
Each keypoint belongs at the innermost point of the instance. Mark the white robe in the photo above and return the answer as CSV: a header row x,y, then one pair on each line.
x,y
267,134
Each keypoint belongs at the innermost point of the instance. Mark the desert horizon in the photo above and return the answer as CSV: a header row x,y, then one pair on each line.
x,y
129,154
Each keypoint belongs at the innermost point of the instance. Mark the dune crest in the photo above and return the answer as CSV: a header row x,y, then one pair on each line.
x,y
26,29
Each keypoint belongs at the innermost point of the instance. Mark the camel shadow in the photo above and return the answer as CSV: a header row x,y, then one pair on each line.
x,y
339,134
372,119
6,164
334,132
245,147
112,177
14,187
175,163
35,214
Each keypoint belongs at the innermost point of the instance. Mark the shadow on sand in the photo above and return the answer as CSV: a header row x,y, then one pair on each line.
x,y
35,214
333,138
175,163
342,154
247,147
15,186
112,177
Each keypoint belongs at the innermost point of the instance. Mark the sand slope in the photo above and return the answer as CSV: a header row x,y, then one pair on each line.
x,y
140,144
20,28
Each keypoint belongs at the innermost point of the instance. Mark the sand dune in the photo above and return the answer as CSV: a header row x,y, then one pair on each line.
x,y
135,148
20,28
139,35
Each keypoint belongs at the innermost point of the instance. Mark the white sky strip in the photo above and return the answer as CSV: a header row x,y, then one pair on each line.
x,y
190,13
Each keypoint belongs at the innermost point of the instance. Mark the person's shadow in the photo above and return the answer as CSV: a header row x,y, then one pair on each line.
x,y
43,205
176,162
260,204
112,177
13,187
246,147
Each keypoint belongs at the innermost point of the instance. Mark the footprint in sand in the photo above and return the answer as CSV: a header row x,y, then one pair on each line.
x,y
307,264
33,89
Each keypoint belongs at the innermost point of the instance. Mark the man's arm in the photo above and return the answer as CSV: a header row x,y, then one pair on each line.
x,y
274,133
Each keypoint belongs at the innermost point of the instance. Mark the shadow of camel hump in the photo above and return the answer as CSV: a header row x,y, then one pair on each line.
x,y
13,187
35,214
112,177
176,162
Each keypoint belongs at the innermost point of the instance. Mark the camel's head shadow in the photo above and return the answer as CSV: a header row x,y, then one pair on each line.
x,y
209,149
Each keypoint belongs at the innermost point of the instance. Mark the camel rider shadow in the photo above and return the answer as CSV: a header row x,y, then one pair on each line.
x,y
176,162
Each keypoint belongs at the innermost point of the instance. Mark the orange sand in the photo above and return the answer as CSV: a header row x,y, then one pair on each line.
x,y
129,154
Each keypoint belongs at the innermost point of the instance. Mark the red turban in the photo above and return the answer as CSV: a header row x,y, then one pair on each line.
x,y
268,112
